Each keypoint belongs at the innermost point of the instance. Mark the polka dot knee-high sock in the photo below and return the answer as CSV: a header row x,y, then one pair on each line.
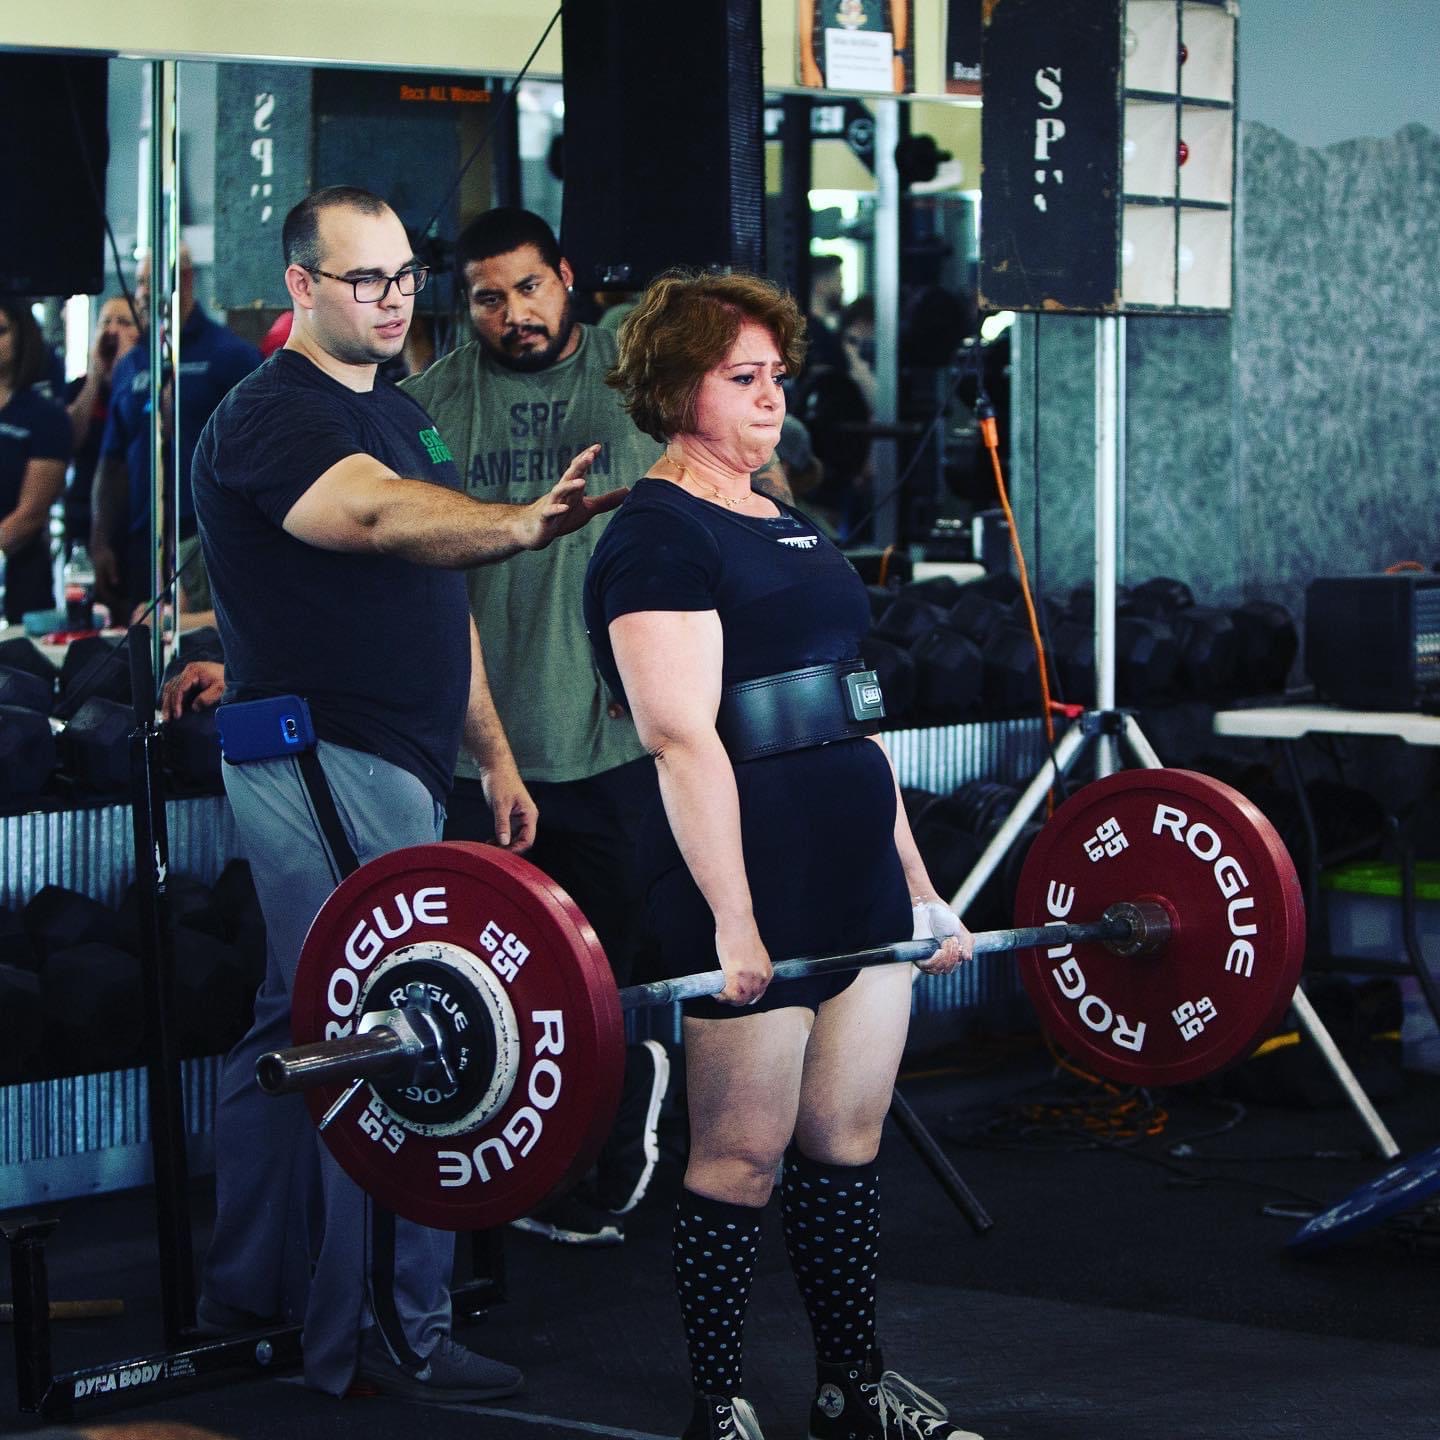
x,y
714,1256
831,1215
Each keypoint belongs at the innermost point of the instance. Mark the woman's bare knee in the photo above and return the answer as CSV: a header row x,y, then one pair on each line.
x,y
851,1142
742,1178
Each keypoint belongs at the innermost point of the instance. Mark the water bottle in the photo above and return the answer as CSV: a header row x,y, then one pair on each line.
x,y
79,579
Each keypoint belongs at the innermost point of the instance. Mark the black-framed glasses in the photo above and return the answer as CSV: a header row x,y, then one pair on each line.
x,y
372,289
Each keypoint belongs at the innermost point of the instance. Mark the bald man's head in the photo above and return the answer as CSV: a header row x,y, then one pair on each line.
x,y
187,286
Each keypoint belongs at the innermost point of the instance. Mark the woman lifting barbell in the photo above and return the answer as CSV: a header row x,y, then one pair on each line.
x,y
731,626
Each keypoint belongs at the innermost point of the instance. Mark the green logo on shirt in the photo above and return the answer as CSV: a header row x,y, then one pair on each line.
x,y
435,447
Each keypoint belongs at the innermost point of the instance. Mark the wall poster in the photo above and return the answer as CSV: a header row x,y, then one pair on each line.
x,y
856,45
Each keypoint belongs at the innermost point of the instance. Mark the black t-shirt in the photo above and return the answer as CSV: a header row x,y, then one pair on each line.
x,y
32,427
816,825
379,646
785,595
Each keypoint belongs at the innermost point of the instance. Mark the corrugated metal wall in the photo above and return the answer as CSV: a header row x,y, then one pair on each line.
x,y
85,1132
93,849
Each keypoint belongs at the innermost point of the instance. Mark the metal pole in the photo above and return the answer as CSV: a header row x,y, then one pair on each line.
x,y
165,1089
164,322
1107,490
1314,1027
1056,764
1140,746
159,312
1122,462
883,450
167,642
938,1163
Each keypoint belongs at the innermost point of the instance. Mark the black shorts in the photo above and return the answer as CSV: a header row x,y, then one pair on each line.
x,y
818,833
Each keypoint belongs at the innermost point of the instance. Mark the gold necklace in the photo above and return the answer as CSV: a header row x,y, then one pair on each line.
x,y
720,495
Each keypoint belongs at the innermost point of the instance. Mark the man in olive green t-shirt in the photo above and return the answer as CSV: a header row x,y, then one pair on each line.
x,y
514,405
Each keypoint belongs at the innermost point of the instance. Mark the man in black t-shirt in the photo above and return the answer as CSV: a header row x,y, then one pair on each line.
x,y
336,535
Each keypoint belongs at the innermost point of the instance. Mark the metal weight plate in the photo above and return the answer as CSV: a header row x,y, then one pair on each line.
x,y
502,943
1224,978
481,1034
1401,1188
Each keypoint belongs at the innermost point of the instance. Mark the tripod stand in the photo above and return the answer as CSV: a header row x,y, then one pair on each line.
x,y
1106,727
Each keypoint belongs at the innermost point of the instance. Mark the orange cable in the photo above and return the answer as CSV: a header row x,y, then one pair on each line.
x,y
885,555
990,435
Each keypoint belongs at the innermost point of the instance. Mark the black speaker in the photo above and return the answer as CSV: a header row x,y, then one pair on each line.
x,y
54,146
664,151
1108,149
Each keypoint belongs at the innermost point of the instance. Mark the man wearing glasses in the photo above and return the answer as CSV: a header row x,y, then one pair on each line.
x,y
336,533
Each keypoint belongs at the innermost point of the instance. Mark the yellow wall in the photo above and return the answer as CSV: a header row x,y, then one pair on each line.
x,y
476,35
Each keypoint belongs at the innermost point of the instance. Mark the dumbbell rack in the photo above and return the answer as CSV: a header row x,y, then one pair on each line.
x,y
1105,727
187,1359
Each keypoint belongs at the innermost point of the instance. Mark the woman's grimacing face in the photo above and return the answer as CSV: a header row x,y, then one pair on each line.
x,y
740,406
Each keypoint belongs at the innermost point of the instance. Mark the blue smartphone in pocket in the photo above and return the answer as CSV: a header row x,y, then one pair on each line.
x,y
266,729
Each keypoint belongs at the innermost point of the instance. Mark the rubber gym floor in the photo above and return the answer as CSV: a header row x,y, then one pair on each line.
x,y
1136,1285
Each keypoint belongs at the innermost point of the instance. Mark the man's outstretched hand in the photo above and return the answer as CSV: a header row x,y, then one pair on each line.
x,y
567,507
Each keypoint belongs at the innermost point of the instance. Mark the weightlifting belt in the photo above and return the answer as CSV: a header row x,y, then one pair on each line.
x,y
799,709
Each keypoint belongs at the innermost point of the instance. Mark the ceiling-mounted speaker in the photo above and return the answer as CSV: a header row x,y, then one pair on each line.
x,y
54,149
664,150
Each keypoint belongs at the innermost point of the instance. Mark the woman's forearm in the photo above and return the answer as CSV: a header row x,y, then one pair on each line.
x,y
917,877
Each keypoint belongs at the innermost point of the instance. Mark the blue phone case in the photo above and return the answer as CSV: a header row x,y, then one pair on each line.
x,y
264,729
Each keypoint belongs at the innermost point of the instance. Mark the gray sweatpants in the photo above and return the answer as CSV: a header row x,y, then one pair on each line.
x,y
294,1235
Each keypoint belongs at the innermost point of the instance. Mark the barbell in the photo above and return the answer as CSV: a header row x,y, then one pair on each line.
x,y
460,1039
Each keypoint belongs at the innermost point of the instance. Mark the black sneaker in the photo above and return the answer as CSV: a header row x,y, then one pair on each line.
x,y
864,1401
722,1417
571,1220
628,1160
450,1375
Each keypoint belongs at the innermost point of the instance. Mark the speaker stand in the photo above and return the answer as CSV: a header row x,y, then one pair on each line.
x,y
1106,727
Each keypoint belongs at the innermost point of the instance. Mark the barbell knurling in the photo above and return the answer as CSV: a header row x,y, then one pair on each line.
x,y
912,952
379,1052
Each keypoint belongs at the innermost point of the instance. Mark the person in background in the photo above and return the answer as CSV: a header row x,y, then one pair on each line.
x,y
87,398
516,403
857,335
212,360
827,301
35,443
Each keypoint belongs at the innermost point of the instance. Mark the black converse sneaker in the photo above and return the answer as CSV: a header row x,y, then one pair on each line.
x,y
862,1400
722,1417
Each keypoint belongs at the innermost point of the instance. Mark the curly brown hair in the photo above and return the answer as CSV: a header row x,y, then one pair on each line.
x,y
682,328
